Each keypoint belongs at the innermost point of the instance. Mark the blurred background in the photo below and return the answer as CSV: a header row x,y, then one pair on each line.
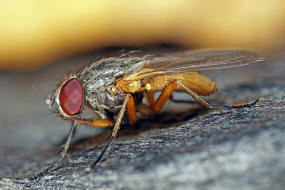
x,y
69,33
35,33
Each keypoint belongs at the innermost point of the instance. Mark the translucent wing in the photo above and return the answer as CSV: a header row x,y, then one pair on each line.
x,y
196,60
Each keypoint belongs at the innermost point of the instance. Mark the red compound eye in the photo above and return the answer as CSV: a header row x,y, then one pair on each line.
x,y
71,97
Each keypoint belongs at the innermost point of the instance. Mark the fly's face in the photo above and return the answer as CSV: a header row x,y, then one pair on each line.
x,y
68,98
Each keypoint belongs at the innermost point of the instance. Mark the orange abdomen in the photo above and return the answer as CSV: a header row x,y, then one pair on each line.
x,y
195,81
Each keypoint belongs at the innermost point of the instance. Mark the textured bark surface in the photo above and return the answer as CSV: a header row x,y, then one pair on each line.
x,y
184,147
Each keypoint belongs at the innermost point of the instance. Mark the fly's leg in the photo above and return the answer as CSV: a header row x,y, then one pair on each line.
x,y
167,91
98,123
244,104
196,97
239,105
61,156
101,123
63,140
150,97
146,109
131,109
115,130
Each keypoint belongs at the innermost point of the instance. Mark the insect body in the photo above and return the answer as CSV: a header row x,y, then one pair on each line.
x,y
109,85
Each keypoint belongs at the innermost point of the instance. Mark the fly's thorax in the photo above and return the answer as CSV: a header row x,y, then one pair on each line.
x,y
104,100
98,77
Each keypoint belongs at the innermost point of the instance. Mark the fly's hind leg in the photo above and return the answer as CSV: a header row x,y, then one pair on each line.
x,y
238,105
196,97
166,94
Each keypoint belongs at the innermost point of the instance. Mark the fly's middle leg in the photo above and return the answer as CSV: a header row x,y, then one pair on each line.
x,y
131,109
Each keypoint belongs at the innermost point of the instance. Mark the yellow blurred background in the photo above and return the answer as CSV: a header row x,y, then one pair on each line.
x,y
36,32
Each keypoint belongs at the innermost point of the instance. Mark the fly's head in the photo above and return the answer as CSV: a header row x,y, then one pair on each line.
x,y
68,98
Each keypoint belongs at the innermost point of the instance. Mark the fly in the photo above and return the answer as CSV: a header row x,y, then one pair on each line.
x,y
111,85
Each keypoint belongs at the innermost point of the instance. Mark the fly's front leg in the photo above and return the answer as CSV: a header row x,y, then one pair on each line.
x,y
131,109
61,156
99,123
166,94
